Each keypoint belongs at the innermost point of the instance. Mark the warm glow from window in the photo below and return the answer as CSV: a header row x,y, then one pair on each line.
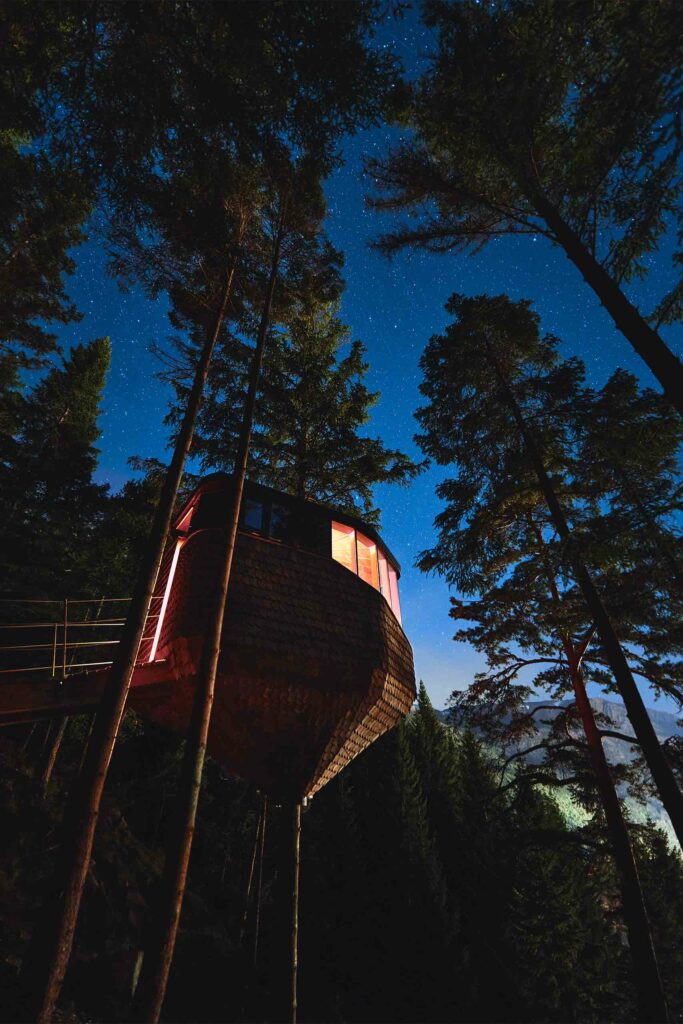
x,y
361,555
384,577
393,587
367,560
344,546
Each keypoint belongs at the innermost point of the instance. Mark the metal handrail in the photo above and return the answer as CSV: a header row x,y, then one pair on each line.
x,y
62,645
71,600
43,625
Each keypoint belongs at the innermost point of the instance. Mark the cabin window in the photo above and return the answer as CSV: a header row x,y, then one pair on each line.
x,y
384,576
393,590
344,546
367,560
279,522
252,514
363,557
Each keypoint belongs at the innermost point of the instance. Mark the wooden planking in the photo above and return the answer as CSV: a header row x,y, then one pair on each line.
x,y
314,664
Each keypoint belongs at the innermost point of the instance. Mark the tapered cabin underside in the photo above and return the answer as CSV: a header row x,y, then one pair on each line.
x,y
314,664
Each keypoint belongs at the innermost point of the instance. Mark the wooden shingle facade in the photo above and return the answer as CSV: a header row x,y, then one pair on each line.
x,y
314,664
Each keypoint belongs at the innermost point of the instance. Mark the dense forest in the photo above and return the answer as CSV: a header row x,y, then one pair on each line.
x,y
480,863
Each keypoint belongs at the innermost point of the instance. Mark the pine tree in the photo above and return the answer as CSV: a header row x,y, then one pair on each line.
x,y
554,119
498,536
568,961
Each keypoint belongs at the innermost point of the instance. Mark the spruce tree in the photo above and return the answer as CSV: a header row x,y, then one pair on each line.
x,y
51,505
661,869
45,199
312,405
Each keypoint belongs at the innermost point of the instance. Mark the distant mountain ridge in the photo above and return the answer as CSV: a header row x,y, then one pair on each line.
x,y
665,722
618,751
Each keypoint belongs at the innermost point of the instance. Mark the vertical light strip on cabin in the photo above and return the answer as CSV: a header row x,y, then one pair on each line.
x,y
164,603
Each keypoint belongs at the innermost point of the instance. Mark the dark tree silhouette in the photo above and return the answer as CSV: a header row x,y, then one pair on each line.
x,y
556,119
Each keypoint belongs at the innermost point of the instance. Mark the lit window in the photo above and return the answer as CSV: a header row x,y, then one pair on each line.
x,y
384,577
344,545
393,588
362,556
367,561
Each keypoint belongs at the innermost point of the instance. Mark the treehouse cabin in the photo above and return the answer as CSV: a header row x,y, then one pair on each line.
x,y
314,662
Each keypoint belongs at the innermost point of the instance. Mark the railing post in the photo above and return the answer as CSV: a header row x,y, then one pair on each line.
x,y
66,623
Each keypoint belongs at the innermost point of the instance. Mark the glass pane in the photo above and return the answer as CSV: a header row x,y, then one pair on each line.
x,y
344,545
279,522
393,586
252,514
384,577
367,561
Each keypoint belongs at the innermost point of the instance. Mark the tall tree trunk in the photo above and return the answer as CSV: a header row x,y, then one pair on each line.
x,y
51,949
665,366
250,876
157,963
665,780
296,859
259,888
651,1001
50,753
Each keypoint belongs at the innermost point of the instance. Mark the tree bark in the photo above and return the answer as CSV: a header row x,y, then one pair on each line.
x,y
665,366
50,753
252,866
296,859
651,1001
647,980
660,768
157,963
259,887
52,949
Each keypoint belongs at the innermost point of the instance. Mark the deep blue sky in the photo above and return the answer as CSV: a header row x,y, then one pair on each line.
x,y
393,308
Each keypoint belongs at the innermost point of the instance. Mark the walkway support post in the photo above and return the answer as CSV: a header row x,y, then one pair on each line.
x,y
259,883
54,649
296,859
65,627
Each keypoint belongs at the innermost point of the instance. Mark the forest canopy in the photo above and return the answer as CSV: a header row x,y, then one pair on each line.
x,y
342,224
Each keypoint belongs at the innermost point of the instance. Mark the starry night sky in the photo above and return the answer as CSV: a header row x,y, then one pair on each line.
x,y
393,308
